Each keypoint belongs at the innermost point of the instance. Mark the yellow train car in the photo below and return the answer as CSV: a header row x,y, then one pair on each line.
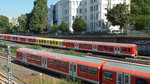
x,y
49,42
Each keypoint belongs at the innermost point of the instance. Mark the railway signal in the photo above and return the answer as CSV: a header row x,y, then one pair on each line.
x,y
9,65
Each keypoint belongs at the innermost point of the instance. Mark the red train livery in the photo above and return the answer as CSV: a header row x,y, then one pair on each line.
x,y
117,49
91,70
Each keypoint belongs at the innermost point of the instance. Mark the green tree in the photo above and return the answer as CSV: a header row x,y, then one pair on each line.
x,y
140,10
119,15
54,29
4,24
79,25
63,27
38,16
142,21
140,7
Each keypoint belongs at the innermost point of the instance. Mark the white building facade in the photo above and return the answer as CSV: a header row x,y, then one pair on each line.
x,y
91,11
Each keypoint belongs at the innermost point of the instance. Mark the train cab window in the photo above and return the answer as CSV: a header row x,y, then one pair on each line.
x,y
129,50
99,47
141,81
92,72
108,76
51,62
57,63
64,65
83,69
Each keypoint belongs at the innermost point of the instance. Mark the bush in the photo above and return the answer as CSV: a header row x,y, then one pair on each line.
x,y
34,47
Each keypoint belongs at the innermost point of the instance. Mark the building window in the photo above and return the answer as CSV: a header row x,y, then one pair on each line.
x,y
92,72
83,69
91,1
91,8
96,7
80,10
85,10
73,18
91,17
108,76
141,81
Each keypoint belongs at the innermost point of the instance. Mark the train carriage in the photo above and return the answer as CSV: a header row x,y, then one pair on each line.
x,y
118,73
91,70
49,42
79,67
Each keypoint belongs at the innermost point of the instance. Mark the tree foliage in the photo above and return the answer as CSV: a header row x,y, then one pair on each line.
x,y
54,29
79,25
63,27
4,24
142,21
119,15
38,16
140,7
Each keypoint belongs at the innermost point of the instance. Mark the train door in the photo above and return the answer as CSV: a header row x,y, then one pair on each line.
x,y
73,69
24,57
123,78
76,45
117,50
44,62
94,47
60,44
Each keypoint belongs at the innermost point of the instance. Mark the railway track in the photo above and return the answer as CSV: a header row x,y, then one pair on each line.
x,y
4,79
143,60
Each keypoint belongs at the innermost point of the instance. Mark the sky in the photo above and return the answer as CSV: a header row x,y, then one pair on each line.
x,y
14,8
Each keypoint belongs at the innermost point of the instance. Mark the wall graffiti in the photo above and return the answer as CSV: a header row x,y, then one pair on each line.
x,y
143,42
144,48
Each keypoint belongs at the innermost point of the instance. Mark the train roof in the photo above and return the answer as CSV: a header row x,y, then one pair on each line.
x,y
133,69
128,66
83,59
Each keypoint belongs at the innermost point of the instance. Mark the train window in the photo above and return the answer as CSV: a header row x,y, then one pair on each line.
x,y
119,78
126,79
83,69
141,81
92,72
38,59
110,48
57,63
64,65
124,49
51,62
89,46
108,76
99,47
105,47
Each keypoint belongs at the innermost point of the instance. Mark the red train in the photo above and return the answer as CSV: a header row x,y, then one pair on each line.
x,y
116,49
91,70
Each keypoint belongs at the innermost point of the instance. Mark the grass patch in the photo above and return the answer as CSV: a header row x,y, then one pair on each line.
x,y
47,80
69,52
34,47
